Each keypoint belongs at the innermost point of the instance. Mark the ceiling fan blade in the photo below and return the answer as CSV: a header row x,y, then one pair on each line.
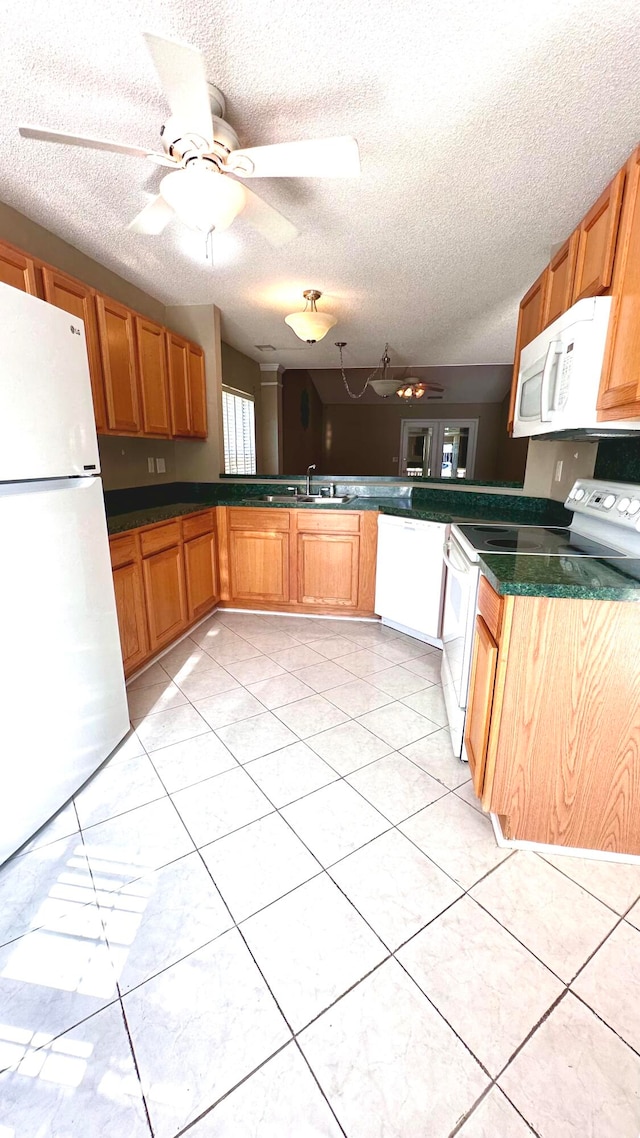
x,y
93,144
153,218
312,158
266,220
182,75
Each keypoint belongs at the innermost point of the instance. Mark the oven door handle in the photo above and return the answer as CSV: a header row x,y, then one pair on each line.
x,y
450,563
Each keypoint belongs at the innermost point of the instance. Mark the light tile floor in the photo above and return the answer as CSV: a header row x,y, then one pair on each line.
x,y
278,911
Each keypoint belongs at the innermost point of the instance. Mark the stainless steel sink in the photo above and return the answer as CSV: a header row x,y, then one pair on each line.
x,y
316,499
269,498
306,499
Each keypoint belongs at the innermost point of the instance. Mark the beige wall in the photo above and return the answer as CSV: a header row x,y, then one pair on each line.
x,y
578,461
20,231
271,413
200,460
243,374
301,446
512,453
365,439
124,461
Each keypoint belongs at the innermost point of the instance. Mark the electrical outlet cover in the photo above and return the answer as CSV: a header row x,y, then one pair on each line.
x,y
161,466
151,466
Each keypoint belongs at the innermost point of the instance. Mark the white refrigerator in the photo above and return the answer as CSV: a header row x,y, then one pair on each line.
x,y
63,706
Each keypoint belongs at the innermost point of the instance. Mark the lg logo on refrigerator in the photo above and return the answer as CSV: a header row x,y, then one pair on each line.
x,y
76,331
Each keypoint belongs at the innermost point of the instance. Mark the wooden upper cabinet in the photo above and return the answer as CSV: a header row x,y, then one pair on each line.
x,y
561,273
178,356
597,236
152,376
530,324
619,396
17,270
197,392
187,387
78,299
117,345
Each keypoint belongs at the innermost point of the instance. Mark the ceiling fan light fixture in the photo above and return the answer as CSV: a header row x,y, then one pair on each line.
x,y
310,325
202,197
411,389
384,387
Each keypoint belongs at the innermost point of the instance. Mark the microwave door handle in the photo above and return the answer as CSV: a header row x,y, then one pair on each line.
x,y
546,415
560,355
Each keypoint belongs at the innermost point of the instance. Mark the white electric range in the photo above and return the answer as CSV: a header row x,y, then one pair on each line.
x,y
605,527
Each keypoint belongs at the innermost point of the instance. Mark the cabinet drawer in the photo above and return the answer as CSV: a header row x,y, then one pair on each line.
x,y
194,525
160,537
244,517
490,606
123,550
327,521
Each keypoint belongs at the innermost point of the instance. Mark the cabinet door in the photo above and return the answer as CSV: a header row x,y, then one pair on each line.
x,y
529,326
165,595
17,270
259,566
597,238
619,396
127,583
201,574
478,721
328,567
78,299
562,271
117,346
178,356
197,392
152,372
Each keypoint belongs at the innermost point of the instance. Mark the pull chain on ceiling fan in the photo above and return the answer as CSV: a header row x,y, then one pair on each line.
x,y
203,153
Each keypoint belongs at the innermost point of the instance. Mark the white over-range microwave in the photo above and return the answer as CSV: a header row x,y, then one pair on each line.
x,y
559,375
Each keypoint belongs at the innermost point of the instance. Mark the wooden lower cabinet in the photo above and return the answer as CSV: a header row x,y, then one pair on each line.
x,y
200,559
259,567
478,721
316,561
553,726
169,575
129,592
165,596
328,569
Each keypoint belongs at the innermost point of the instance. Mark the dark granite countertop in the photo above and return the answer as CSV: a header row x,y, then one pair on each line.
x,y
583,578
475,509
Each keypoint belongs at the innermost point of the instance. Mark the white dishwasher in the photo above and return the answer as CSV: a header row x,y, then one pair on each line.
x,y
410,576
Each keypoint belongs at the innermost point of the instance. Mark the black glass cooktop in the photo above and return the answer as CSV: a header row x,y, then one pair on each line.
x,y
539,541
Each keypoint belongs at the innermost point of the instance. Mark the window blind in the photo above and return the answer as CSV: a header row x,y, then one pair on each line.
x,y
239,430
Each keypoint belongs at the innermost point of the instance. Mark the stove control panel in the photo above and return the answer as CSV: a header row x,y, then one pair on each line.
x,y
617,502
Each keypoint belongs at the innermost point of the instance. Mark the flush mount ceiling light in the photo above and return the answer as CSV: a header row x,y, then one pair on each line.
x,y
310,325
382,382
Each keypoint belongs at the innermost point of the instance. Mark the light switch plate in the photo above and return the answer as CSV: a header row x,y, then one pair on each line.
x,y
151,466
558,473
161,466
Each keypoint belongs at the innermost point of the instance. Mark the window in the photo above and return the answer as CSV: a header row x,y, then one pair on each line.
x,y
438,448
239,430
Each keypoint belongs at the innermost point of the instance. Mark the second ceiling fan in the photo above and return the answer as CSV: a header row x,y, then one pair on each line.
x,y
205,187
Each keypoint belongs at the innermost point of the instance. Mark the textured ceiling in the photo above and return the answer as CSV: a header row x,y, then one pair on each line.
x,y
486,128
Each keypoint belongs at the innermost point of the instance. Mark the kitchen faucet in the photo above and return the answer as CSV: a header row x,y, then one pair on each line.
x,y
309,469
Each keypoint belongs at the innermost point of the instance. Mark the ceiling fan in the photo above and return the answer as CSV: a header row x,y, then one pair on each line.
x,y
204,156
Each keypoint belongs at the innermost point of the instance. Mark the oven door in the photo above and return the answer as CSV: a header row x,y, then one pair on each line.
x,y
461,590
